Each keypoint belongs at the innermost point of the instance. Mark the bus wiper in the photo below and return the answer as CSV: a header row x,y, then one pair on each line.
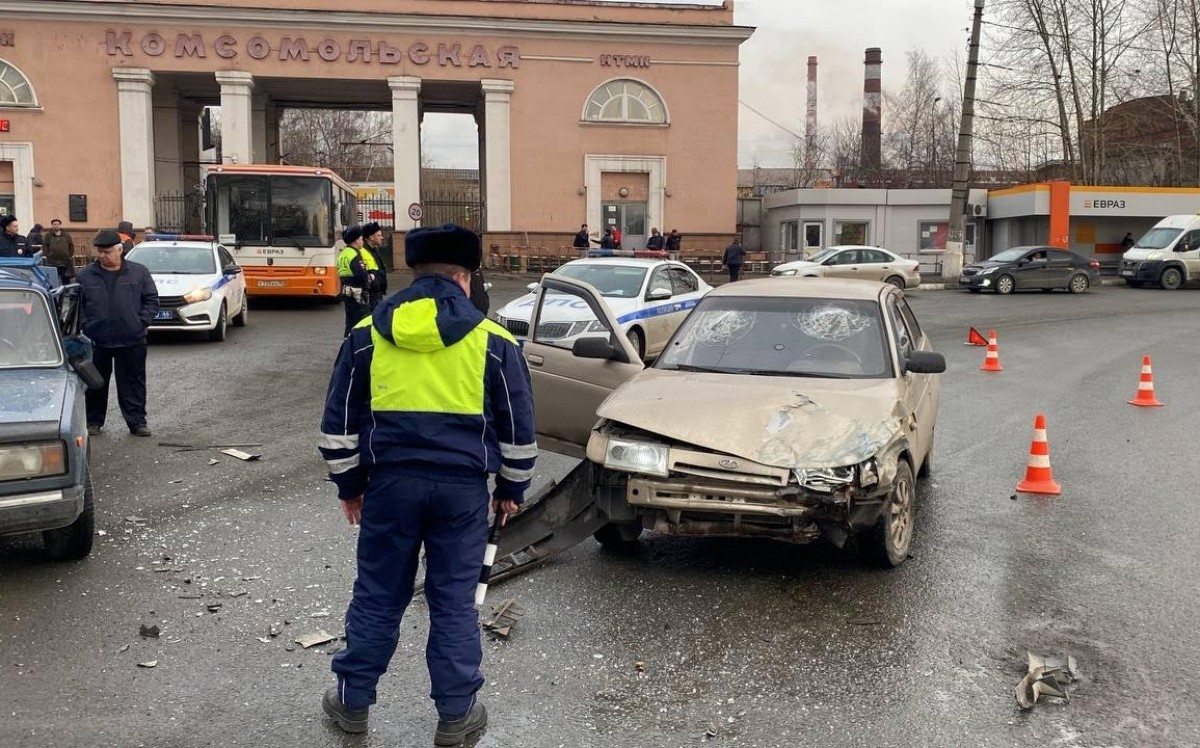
x,y
296,241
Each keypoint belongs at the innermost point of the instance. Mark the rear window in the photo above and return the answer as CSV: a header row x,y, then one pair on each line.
x,y
28,334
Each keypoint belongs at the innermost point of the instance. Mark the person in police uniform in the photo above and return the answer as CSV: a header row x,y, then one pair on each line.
x,y
373,242
357,270
428,397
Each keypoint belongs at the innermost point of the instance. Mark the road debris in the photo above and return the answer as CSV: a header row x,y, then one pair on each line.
x,y
150,664
119,651
201,448
1047,676
263,639
504,617
317,637
639,666
274,630
239,454
214,607
149,632
138,521
213,461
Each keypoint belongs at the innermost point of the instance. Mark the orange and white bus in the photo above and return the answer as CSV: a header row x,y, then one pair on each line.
x,y
283,225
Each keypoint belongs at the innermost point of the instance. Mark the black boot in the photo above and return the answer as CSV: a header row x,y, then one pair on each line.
x,y
454,733
350,720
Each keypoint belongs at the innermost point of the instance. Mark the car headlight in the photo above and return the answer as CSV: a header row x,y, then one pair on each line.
x,y
868,473
824,479
1155,255
784,272
196,295
636,457
988,270
597,326
32,460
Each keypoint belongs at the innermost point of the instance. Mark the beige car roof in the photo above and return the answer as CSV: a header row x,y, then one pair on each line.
x,y
813,288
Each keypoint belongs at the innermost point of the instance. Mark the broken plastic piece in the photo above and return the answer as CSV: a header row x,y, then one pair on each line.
x,y
317,637
243,456
1047,676
150,632
504,617
150,664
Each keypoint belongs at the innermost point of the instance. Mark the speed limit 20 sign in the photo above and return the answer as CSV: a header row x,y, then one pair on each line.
x,y
415,212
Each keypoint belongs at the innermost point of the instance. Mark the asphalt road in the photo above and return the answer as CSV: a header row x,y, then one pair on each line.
x,y
754,643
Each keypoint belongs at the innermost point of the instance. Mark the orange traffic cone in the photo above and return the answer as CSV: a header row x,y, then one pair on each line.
x,y
974,337
1145,392
991,361
1038,476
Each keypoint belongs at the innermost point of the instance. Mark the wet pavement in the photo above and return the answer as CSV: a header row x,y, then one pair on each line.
x,y
741,643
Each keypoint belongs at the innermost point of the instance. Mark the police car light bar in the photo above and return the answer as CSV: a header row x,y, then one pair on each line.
x,y
180,238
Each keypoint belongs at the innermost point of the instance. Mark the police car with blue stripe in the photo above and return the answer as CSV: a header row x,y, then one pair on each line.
x,y
649,298
200,285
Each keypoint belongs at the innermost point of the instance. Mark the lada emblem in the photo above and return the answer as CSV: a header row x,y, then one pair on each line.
x,y
730,464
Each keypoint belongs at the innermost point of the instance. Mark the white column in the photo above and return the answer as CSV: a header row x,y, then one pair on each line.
x,y
237,144
406,145
135,88
497,103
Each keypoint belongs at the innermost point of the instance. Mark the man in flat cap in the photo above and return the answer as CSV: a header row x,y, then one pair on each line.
x,y
356,270
428,397
119,301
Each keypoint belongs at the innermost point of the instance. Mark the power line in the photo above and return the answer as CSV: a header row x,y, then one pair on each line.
x,y
768,119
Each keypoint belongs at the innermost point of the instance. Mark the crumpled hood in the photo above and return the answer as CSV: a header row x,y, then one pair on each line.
x,y
777,421
32,396
797,265
431,314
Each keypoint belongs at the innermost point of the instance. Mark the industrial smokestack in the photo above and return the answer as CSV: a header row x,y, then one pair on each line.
x,y
872,100
810,122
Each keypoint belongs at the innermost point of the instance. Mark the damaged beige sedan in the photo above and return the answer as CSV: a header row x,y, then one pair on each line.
x,y
792,409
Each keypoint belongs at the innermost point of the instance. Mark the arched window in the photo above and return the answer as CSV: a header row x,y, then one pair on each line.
x,y
14,87
625,101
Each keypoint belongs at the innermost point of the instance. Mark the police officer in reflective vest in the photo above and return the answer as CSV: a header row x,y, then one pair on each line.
x,y
356,270
428,397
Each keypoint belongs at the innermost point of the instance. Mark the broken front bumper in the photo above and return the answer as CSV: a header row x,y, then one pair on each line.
x,y
43,510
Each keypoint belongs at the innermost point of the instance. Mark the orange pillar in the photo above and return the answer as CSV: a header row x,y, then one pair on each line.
x,y
1060,214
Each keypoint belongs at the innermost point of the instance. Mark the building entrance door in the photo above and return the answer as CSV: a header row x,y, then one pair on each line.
x,y
630,220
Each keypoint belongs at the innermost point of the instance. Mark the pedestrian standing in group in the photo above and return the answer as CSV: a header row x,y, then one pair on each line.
x,y
656,242
118,302
12,243
125,231
583,240
616,237
607,241
34,241
674,241
1128,242
373,243
735,256
149,232
357,271
428,397
58,249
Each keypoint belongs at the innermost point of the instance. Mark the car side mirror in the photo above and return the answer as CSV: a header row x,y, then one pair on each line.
x,y
532,288
925,362
232,270
1183,247
598,348
658,294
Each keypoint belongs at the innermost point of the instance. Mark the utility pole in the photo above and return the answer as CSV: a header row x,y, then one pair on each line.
x,y
952,262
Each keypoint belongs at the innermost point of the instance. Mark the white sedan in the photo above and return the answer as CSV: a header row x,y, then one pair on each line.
x,y
855,261
200,285
650,298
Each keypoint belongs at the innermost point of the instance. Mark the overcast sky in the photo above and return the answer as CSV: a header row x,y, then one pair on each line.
x,y
775,66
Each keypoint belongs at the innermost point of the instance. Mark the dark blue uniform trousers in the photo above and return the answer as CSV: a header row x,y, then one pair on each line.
x,y
401,510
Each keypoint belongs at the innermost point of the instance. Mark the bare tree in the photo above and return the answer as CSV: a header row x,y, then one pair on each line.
x,y
810,155
356,145
845,151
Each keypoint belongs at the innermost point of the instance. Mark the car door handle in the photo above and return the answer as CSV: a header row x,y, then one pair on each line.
x,y
535,360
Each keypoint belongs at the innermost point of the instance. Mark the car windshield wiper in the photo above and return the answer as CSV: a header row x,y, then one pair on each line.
x,y
802,374
710,370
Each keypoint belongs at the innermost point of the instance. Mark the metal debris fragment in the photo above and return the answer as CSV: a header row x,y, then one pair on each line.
x,y
214,607
1047,676
504,617
150,632
317,637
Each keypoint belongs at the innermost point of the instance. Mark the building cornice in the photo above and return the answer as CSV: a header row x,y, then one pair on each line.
x,y
336,20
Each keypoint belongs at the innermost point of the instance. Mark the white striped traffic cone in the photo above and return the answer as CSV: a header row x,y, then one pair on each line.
x,y
1145,392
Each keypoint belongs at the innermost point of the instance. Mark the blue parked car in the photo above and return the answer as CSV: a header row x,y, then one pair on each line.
x,y
44,481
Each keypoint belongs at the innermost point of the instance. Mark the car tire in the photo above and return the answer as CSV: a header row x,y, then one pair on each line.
x,y
217,334
888,542
74,542
896,281
618,536
243,317
1079,283
1171,279
637,339
1005,285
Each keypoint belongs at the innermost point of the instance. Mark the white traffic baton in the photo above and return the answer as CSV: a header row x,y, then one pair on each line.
x,y
489,558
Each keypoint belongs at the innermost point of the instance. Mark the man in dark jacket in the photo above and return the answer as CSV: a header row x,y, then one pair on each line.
x,y
119,301
12,244
656,242
674,241
428,397
125,231
582,240
59,250
735,255
373,241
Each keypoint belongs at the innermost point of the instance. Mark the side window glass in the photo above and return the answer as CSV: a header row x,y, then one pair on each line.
x,y
910,319
226,258
565,316
873,257
683,281
901,334
1192,239
660,279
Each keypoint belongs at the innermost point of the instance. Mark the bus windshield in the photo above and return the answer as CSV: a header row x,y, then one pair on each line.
x,y
293,211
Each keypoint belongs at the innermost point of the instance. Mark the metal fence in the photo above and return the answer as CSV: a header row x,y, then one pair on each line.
x,y
466,213
179,213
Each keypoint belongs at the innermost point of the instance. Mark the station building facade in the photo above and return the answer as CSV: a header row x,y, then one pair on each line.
x,y
607,113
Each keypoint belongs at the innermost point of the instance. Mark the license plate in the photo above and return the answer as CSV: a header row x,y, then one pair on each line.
x,y
1126,272
271,284
164,314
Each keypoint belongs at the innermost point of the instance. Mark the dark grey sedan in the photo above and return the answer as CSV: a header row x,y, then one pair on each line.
x,y
1024,268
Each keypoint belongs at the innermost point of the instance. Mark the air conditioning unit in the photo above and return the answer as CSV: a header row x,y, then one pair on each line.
x,y
975,210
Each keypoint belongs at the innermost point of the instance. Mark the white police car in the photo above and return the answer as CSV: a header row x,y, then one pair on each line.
x,y
650,298
200,285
